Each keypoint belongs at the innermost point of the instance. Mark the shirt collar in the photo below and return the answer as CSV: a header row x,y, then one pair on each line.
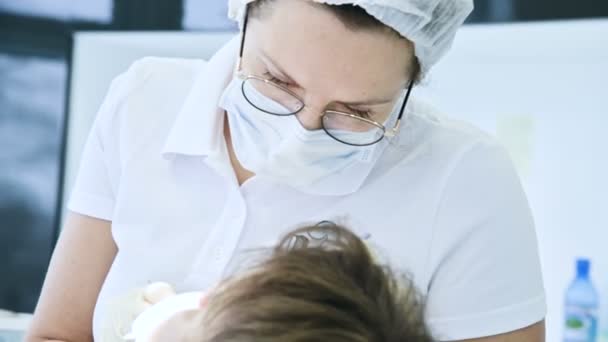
x,y
197,130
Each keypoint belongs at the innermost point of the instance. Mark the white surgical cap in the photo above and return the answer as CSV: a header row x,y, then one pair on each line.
x,y
430,24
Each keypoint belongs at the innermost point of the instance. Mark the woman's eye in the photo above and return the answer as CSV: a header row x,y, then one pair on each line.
x,y
366,114
275,79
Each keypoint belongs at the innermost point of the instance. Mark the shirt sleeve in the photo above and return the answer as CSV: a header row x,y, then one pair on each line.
x,y
486,277
98,176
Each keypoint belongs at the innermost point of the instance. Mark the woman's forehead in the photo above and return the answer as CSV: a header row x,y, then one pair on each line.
x,y
315,48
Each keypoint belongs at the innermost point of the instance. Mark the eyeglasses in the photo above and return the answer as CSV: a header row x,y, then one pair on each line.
x,y
347,128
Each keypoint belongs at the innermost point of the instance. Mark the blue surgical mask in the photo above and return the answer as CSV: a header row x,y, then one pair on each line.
x,y
281,149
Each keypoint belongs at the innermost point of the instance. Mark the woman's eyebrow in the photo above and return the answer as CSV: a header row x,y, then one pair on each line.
x,y
276,66
370,102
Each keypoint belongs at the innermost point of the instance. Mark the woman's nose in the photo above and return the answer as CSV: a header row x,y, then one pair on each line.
x,y
311,117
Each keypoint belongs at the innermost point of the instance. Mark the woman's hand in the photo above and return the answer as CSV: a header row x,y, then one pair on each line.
x,y
170,306
121,311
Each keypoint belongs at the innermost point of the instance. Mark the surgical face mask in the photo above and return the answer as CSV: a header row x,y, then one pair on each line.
x,y
281,149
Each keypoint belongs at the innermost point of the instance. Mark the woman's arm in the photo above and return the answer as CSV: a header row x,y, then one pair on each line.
x,y
81,260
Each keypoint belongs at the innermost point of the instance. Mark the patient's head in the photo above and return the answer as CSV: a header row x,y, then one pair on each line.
x,y
319,284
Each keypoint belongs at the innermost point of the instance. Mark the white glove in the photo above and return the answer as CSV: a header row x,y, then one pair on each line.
x,y
147,322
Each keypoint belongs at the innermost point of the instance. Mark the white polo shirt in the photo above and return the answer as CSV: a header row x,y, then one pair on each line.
x,y
443,203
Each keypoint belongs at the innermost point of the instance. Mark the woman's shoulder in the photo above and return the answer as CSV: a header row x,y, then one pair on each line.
x,y
175,68
151,81
143,102
150,76
148,82
444,131
431,149
428,136
167,66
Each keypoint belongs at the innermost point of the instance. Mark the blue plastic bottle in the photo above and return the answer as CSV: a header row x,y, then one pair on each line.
x,y
580,324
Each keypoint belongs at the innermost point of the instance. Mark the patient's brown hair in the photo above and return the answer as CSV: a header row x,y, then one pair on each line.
x,y
320,284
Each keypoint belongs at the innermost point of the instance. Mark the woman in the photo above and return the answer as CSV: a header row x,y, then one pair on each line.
x,y
189,162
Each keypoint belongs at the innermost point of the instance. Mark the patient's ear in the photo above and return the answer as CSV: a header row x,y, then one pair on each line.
x,y
203,301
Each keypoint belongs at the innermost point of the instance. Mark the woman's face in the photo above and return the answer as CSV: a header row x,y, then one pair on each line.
x,y
307,49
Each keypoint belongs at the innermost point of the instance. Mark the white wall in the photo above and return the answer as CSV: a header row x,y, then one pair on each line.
x,y
542,88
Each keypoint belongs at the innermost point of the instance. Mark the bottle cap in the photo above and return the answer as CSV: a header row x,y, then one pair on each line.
x,y
582,267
